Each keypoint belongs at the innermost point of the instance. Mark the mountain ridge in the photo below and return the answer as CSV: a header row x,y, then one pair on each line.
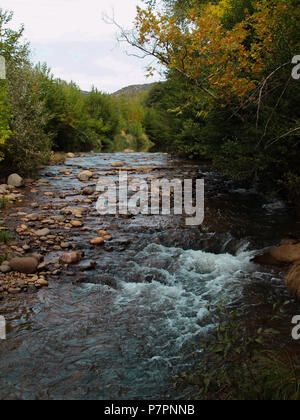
x,y
134,89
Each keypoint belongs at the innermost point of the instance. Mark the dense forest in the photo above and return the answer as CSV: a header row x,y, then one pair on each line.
x,y
229,95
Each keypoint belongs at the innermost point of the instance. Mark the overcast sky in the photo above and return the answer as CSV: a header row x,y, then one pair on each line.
x,y
71,37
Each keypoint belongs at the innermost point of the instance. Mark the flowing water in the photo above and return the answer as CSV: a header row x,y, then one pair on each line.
x,y
121,331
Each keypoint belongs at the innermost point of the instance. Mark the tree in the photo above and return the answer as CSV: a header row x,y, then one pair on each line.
x,y
236,57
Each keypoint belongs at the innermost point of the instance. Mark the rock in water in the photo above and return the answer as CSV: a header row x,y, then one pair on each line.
x,y
85,175
76,223
117,165
293,280
88,191
97,241
15,180
285,254
71,258
26,265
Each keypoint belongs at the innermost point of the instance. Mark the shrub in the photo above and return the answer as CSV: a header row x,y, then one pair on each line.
x,y
238,364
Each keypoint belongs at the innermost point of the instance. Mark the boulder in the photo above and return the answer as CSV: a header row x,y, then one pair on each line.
x,y
15,181
293,280
71,258
70,155
26,265
284,254
85,175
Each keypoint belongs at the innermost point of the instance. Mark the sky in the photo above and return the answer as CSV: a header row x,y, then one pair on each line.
x,y
73,39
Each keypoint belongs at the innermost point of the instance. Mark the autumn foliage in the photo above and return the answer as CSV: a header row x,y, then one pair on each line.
x,y
228,64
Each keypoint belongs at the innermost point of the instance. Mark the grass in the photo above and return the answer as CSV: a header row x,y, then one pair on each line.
x,y
5,237
3,203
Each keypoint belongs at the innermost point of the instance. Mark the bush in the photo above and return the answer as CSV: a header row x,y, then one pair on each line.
x,y
5,237
239,364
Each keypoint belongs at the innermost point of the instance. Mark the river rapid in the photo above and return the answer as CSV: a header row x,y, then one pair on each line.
x,y
119,331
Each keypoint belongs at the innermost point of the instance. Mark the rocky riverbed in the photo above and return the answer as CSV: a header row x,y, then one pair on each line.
x,y
103,306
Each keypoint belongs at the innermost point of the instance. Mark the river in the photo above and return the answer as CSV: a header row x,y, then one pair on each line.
x,y
119,331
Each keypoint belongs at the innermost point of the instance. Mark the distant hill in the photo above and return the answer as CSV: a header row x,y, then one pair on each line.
x,y
134,89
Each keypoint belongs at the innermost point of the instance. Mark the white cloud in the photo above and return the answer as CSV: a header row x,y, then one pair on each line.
x,y
76,43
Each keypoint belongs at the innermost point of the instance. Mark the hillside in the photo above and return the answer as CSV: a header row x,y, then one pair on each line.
x,y
134,89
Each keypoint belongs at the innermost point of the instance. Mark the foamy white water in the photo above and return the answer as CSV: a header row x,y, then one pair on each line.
x,y
178,286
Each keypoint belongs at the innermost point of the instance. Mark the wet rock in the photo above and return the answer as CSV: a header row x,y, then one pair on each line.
x,y
85,175
117,165
71,258
43,232
97,241
293,281
88,191
5,269
102,233
76,223
15,181
65,245
42,282
285,254
65,171
33,217
26,265
70,155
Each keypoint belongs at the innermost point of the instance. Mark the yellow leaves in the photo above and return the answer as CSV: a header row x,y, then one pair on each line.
x,y
220,9
226,63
